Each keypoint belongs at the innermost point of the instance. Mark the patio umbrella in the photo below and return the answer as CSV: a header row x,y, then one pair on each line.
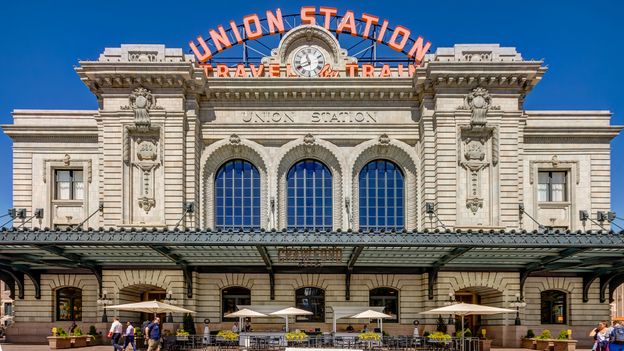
x,y
290,311
464,309
373,314
244,313
149,307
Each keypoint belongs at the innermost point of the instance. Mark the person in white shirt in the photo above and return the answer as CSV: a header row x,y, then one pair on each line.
x,y
235,327
115,333
129,337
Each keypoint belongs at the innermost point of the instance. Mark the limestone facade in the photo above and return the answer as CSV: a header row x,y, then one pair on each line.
x,y
457,129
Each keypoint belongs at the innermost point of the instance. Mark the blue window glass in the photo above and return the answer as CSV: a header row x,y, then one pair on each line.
x,y
309,199
237,196
381,196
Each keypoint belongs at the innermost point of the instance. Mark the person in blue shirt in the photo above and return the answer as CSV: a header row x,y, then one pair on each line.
x,y
129,336
153,332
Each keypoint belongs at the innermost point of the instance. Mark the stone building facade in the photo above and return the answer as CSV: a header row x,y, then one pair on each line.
x,y
467,151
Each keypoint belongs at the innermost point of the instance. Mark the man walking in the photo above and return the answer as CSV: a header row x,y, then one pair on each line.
x,y
115,333
153,332
129,336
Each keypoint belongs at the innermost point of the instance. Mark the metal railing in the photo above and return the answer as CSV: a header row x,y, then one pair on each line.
x,y
278,343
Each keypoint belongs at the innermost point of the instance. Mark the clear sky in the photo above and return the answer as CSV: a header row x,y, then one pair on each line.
x,y
580,41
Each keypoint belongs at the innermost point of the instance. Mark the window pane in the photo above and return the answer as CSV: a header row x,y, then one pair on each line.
x,y
389,299
381,196
311,299
310,182
69,304
542,192
232,297
237,195
553,307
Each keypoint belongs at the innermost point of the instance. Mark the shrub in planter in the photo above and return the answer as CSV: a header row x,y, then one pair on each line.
x,y
441,325
530,334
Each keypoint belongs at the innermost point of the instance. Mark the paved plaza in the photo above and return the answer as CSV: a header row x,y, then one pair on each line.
x,y
13,347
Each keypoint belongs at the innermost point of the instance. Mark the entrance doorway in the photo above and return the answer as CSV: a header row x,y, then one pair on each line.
x,y
480,296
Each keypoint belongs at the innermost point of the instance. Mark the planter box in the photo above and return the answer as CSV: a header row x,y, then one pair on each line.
x,y
485,344
79,341
543,344
57,342
565,345
528,344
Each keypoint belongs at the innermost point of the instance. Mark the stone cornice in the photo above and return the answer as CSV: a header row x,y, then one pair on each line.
x,y
607,133
522,75
46,131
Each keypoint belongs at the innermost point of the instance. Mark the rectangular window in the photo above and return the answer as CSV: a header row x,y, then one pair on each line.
x,y
69,184
552,186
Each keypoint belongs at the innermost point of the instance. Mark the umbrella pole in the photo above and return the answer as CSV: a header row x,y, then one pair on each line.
x,y
462,332
286,324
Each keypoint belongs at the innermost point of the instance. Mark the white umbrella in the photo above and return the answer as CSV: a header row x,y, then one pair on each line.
x,y
373,314
464,309
244,313
290,311
149,307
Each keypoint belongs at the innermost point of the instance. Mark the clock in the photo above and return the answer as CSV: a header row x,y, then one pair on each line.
x,y
308,61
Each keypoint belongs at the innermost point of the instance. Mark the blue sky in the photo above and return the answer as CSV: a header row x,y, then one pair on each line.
x,y
580,42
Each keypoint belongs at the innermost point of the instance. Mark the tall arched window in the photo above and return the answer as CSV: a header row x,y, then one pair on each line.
x,y
313,300
554,307
69,304
381,196
237,196
232,297
309,191
389,299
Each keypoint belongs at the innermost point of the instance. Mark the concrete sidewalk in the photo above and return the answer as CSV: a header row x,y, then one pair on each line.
x,y
22,347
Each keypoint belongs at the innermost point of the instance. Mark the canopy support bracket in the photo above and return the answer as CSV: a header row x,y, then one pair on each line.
x,y
18,279
588,280
264,253
272,285
432,280
348,285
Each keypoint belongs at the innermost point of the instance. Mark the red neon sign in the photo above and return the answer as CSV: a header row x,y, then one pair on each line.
x,y
397,38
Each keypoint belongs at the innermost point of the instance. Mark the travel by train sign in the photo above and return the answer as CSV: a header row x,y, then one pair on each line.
x,y
311,62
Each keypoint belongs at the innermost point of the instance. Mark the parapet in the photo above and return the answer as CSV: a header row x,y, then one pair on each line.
x,y
475,53
144,53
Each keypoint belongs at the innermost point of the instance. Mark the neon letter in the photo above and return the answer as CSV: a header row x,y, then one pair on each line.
x,y
382,31
367,70
207,53
223,70
419,49
220,38
328,12
257,32
348,21
236,32
275,21
256,72
307,15
404,33
370,20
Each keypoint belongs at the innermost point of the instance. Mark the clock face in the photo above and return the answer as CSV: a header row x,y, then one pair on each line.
x,y
308,61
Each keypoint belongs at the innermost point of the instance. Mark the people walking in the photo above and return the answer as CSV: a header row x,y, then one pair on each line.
x,y
115,333
129,336
616,337
153,332
601,337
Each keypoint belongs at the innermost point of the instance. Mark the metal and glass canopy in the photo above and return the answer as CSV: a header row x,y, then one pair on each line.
x,y
590,254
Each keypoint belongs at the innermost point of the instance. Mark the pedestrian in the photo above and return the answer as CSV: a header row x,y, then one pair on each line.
x,y
115,334
365,328
129,336
601,337
616,337
153,332
235,327
144,331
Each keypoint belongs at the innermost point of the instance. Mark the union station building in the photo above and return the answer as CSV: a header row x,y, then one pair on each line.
x,y
297,186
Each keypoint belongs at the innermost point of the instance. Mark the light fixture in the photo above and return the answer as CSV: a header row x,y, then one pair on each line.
x,y
518,303
171,301
104,301
451,301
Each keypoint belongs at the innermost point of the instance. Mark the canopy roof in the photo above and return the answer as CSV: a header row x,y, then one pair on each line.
x,y
149,307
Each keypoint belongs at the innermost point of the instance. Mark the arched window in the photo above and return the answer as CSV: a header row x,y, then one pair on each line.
x,y
389,299
381,196
313,300
309,191
69,304
554,307
232,297
237,196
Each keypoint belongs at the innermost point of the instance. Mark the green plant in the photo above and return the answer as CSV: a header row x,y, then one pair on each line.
x,y
546,334
78,331
426,334
441,325
296,335
439,337
92,330
228,335
181,332
137,333
466,333
369,336
530,334
563,335
189,324
58,331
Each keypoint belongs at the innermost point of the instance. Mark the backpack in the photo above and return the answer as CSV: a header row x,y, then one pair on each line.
x,y
617,334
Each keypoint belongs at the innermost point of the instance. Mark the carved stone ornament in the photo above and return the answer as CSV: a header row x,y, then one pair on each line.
x,y
235,139
555,161
147,150
479,102
308,139
67,160
384,139
141,101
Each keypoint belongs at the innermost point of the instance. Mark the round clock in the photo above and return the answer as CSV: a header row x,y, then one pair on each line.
x,y
308,61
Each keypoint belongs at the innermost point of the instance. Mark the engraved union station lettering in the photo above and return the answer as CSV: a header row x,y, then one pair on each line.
x,y
307,117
